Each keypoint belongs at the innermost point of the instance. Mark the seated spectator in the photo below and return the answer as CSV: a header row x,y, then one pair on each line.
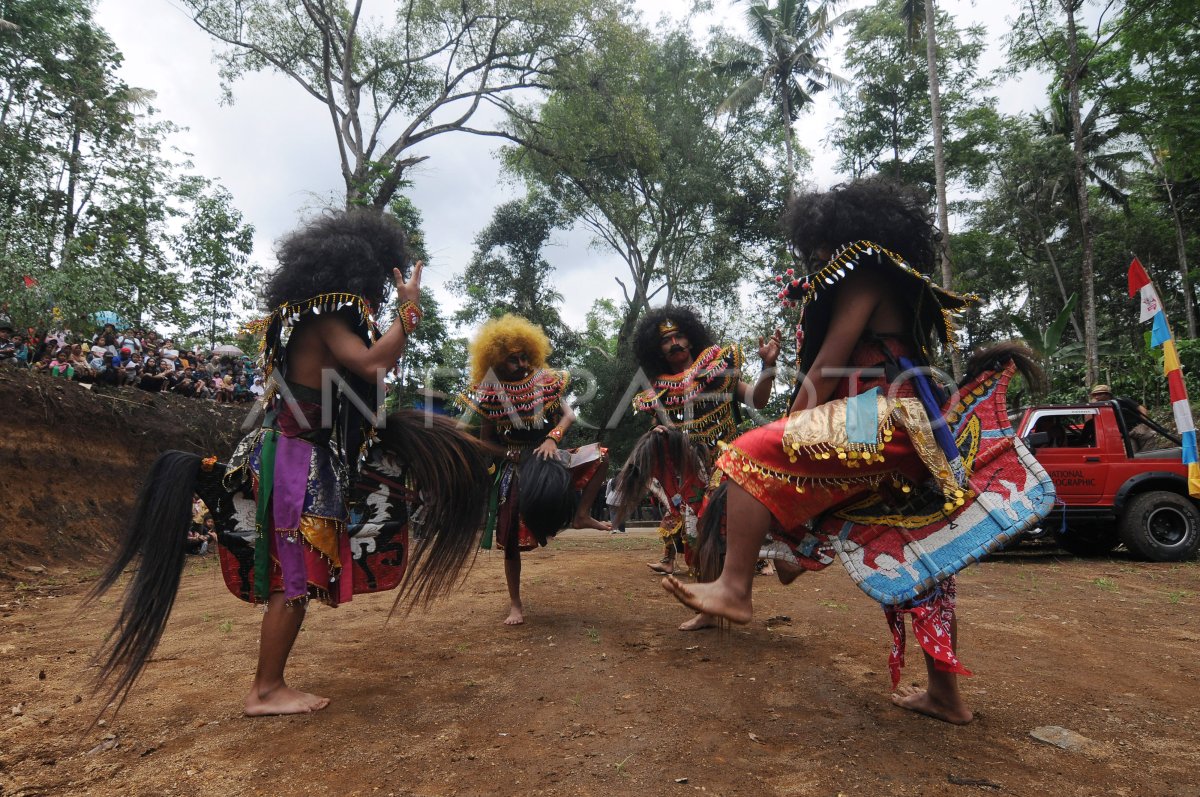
x,y
256,387
43,348
221,391
109,374
83,370
241,391
96,359
42,363
1141,436
154,376
61,364
133,368
198,541
8,346
131,342
107,339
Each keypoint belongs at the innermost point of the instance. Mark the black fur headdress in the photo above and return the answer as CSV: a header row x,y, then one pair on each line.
x,y
647,339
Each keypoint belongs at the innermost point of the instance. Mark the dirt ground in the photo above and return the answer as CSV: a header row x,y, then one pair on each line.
x,y
598,694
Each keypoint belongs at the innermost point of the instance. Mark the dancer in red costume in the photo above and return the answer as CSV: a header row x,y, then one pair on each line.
x,y
868,315
522,406
697,391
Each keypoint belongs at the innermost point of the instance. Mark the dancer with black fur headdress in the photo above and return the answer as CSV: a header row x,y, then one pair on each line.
x,y
334,275
521,405
875,466
695,394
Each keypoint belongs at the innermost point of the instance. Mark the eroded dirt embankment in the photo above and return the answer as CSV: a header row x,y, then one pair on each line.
x,y
71,461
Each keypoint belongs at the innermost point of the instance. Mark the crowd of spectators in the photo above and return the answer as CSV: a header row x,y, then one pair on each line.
x,y
134,358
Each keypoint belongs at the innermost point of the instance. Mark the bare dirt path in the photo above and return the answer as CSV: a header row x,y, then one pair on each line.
x,y
598,694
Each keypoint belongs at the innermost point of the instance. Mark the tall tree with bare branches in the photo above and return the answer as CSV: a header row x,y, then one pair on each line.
x,y
390,85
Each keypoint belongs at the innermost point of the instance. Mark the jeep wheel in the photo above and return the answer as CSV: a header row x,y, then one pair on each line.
x,y
1087,540
1161,527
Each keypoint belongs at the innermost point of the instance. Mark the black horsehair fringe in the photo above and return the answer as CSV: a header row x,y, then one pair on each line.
x,y
545,499
450,470
651,455
709,556
157,535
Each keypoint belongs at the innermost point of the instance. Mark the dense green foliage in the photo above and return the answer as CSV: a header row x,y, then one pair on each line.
x,y
673,147
92,200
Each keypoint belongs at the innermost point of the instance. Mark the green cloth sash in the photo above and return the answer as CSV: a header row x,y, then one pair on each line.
x,y
262,543
489,527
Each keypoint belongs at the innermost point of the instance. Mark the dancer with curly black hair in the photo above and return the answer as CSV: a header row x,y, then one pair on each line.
x,y
334,276
695,393
866,469
521,405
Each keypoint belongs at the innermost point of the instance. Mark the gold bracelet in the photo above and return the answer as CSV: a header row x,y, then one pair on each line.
x,y
409,315
556,435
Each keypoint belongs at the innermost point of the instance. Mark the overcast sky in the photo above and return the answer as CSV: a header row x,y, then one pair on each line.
x,y
274,149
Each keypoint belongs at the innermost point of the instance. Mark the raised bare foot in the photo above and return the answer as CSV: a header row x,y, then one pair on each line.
x,y
589,522
516,615
920,701
712,598
662,568
282,700
787,571
699,623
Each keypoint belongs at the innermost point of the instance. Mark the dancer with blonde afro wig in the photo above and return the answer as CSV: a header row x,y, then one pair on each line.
x,y
520,404
500,337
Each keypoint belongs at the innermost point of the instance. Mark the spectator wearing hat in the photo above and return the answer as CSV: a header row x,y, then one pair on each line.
x,y
1141,436
109,373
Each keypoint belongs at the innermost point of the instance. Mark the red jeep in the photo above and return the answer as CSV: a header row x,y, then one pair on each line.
x,y
1107,492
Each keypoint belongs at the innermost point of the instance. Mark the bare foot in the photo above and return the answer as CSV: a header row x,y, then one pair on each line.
x,y
516,615
282,700
589,522
712,598
768,568
662,568
787,572
699,623
920,701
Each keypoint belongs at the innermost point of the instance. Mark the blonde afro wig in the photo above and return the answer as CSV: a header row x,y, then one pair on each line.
x,y
501,337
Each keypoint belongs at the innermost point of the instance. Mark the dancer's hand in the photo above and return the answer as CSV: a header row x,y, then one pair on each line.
x,y
548,449
768,350
409,291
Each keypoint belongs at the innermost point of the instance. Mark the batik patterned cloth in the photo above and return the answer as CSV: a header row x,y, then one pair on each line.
x,y
302,546
933,625
378,527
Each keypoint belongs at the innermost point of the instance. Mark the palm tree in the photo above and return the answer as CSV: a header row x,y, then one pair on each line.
x,y
920,14
783,62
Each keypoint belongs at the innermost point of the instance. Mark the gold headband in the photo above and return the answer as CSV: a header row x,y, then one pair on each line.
x,y
667,327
